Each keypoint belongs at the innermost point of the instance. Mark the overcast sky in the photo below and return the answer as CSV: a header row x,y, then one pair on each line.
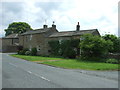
x,y
92,14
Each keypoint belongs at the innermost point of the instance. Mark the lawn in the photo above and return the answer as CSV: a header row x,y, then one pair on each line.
x,y
70,63
74,64
35,58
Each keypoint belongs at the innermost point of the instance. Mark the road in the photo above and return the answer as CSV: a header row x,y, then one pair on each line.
x,y
18,73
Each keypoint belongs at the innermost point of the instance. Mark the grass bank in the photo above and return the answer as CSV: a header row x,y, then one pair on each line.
x,y
35,58
70,63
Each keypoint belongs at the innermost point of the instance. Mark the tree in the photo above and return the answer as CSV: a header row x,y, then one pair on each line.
x,y
116,42
17,27
94,46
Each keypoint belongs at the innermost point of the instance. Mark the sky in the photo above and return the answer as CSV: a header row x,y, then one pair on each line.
x,y
91,14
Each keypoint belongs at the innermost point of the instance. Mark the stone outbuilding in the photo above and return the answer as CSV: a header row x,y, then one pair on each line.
x,y
9,43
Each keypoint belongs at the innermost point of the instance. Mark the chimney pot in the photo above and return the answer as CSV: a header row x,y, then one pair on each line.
x,y
53,26
78,27
44,26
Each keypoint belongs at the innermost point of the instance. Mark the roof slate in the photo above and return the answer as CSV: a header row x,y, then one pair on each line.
x,y
12,36
72,33
36,31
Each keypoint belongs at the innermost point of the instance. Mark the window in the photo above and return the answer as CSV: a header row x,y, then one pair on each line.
x,y
30,47
60,41
81,38
49,51
38,48
31,37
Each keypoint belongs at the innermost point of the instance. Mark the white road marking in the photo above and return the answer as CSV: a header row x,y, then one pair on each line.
x,y
29,72
13,64
45,78
32,73
42,77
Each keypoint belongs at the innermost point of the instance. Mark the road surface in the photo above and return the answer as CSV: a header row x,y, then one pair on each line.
x,y
18,73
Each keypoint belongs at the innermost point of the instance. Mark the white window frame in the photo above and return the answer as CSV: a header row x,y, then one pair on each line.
x,y
31,37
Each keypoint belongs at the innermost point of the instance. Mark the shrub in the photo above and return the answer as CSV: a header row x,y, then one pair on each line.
x,y
28,53
33,51
55,47
94,46
85,58
69,52
113,61
22,52
116,42
20,48
65,48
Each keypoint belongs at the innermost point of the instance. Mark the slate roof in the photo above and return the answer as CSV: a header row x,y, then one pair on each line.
x,y
72,33
36,31
12,36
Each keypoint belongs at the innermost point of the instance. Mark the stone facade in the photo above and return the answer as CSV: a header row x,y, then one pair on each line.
x,y
9,43
39,38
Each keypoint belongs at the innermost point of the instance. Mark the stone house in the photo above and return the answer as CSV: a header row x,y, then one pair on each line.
x,y
9,43
39,38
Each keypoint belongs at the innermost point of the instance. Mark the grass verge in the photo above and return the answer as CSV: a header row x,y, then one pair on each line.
x,y
35,58
70,63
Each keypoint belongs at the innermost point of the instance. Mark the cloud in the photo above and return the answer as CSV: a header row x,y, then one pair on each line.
x,y
100,14
10,12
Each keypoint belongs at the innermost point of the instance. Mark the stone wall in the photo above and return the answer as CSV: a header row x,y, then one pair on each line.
x,y
39,41
112,55
34,41
8,44
8,49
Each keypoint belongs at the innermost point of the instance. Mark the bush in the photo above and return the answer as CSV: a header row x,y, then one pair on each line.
x,y
20,48
98,59
69,52
55,47
22,52
70,48
34,52
65,48
113,61
94,46
28,53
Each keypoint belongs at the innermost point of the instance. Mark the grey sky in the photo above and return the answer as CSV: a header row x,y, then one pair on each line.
x,y
100,14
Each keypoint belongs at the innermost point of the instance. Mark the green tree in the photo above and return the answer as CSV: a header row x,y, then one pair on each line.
x,y
94,46
17,27
115,40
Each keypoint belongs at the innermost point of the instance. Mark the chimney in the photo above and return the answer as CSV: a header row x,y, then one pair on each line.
x,y
53,26
78,27
44,26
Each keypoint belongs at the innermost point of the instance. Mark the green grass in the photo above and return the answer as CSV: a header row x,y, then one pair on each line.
x,y
74,64
35,58
71,63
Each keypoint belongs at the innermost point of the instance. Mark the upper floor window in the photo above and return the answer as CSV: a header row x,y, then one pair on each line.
x,y
31,37
60,40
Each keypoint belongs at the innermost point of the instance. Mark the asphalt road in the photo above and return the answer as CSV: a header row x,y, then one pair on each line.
x,y
18,73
